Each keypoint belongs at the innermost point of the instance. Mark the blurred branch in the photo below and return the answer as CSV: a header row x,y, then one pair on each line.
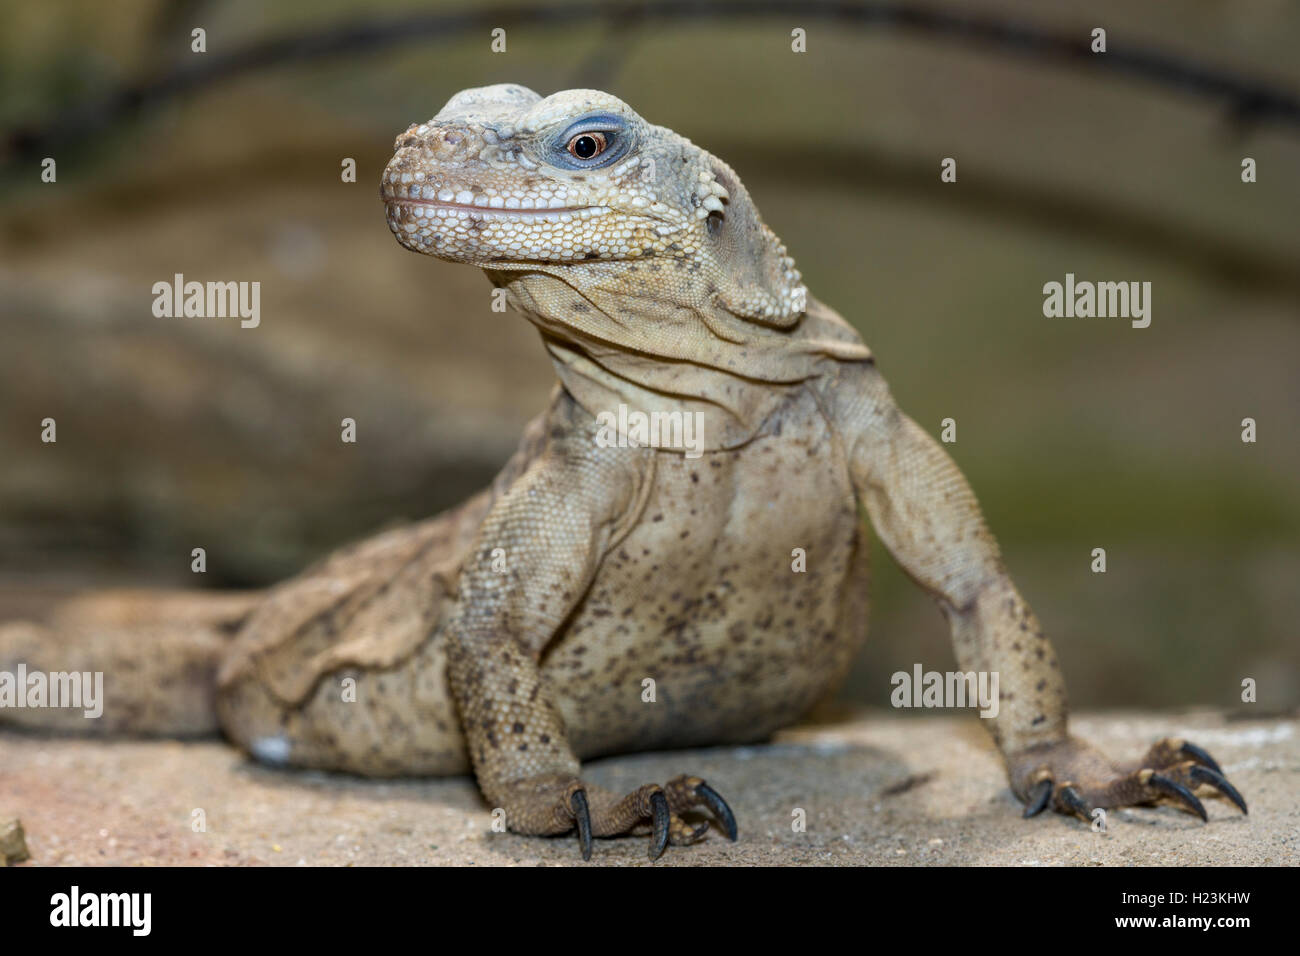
x,y
1191,246
1247,99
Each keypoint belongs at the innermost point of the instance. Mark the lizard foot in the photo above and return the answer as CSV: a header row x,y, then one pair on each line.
x,y
593,811
1074,778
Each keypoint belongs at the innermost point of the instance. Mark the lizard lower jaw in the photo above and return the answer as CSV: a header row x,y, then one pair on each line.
x,y
434,209
476,234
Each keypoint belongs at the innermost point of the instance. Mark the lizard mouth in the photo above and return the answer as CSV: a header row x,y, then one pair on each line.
x,y
438,209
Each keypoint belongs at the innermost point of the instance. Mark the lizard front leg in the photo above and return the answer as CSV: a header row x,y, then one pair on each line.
x,y
926,514
536,555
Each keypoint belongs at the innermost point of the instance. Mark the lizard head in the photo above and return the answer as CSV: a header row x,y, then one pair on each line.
x,y
572,183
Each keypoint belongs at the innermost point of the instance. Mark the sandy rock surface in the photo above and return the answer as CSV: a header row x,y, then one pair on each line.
x,y
875,789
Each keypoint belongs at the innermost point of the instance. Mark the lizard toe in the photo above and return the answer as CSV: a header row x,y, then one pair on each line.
x,y
1191,774
1174,750
1173,771
687,793
556,805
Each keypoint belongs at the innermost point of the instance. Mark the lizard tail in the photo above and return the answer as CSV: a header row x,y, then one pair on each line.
x,y
120,662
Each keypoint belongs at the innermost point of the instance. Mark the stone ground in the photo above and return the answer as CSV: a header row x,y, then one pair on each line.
x,y
876,789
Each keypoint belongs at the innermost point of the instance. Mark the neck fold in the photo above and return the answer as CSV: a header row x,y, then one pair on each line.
x,y
615,342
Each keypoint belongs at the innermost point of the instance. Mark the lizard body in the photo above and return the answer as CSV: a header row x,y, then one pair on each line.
x,y
513,635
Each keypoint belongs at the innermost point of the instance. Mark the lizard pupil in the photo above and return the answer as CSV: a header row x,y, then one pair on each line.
x,y
587,145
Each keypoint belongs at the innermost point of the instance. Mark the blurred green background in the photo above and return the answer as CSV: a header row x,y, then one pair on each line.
x,y
1075,433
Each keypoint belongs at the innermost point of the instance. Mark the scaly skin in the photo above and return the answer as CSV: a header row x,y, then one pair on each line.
x,y
515,634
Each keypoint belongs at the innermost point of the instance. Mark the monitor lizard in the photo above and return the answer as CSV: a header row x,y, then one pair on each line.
x,y
615,590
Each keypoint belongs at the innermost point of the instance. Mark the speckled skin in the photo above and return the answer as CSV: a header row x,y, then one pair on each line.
x,y
518,634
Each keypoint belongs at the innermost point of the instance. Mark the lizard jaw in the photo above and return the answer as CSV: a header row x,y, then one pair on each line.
x,y
461,210
478,234
478,229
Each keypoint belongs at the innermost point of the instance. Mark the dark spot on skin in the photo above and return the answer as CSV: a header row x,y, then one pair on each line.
x,y
580,307
518,728
591,255
1040,685
545,738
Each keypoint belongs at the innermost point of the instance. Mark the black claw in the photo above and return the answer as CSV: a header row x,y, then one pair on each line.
x,y
1072,799
718,807
1196,753
1038,798
582,816
1175,789
1220,783
698,833
662,819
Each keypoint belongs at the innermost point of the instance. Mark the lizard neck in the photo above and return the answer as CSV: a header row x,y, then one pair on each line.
x,y
618,338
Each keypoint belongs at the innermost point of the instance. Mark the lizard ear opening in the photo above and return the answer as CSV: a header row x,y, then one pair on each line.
x,y
759,281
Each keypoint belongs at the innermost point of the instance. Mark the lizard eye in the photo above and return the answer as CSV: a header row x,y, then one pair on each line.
x,y
587,145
